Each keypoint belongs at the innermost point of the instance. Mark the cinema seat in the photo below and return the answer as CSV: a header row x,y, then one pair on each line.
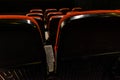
x,y
52,14
77,9
88,46
36,11
49,10
40,20
36,18
36,14
41,25
64,10
22,56
52,28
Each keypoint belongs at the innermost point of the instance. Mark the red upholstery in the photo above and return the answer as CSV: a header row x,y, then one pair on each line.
x,y
17,17
20,17
52,27
40,22
79,13
76,9
21,38
86,42
36,10
35,14
36,17
51,14
64,10
61,9
51,9
53,17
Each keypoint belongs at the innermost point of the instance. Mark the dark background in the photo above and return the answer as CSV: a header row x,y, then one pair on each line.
x,y
98,4
8,6
25,5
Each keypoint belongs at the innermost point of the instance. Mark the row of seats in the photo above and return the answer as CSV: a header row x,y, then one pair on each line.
x,y
70,50
54,9
82,45
47,18
43,13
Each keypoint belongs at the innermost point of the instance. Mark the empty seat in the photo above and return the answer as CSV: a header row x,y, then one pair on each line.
x,y
52,14
40,20
22,56
64,10
88,45
52,28
36,18
49,10
77,9
36,10
36,14
41,25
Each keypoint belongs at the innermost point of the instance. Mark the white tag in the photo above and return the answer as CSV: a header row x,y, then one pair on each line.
x,y
46,35
50,57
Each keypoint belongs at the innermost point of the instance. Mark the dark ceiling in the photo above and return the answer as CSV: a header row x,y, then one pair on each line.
x,y
25,5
